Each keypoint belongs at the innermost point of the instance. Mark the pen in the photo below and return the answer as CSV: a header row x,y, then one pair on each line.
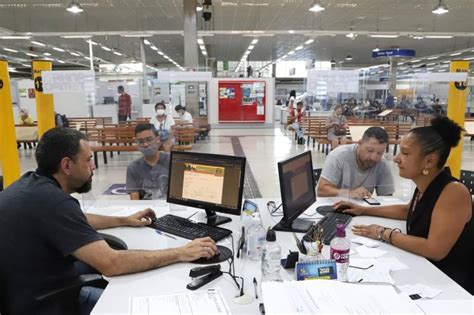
x,y
360,280
164,234
255,287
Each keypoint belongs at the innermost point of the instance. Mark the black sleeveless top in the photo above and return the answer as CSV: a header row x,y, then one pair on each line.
x,y
459,263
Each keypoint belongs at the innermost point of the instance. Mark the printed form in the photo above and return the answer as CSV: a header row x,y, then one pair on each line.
x,y
203,183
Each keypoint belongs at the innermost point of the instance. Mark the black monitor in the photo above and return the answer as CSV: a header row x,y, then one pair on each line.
x,y
297,192
211,182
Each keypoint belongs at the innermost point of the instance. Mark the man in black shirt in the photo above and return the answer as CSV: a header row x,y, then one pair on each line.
x,y
42,226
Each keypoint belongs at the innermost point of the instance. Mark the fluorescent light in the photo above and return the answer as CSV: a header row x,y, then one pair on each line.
x,y
439,36
202,47
291,52
146,42
376,49
136,35
76,36
469,58
284,56
37,43
291,31
251,47
384,35
455,54
117,53
60,61
10,50
431,64
349,57
199,8
204,53
351,35
254,41
317,7
105,48
433,58
74,54
153,47
441,8
299,47
161,53
309,41
415,60
74,7
200,41
15,37
31,55
58,49
90,41
46,54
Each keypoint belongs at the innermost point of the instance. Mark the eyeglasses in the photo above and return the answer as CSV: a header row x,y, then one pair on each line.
x,y
148,140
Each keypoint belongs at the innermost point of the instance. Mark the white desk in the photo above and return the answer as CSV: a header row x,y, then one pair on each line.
x,y
173,279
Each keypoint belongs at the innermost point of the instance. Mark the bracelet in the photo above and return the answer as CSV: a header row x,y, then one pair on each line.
x,y
381,233
391,232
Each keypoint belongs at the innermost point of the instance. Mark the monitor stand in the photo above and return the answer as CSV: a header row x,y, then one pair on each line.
x,y
214,220
298,225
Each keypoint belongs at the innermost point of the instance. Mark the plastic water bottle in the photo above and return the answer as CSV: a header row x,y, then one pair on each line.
x,y
339,251
255,238
271,256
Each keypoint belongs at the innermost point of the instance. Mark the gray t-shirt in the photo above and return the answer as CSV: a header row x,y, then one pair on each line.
x,y
341,169
153,179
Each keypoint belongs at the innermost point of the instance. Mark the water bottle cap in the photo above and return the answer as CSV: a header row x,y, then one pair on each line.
x,y
271,236
340,230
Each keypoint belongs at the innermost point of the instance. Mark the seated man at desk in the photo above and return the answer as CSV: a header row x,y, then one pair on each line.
x,y
439,221
149,174
358,169
43,228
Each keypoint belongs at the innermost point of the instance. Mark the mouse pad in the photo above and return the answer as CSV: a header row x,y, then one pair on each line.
x,y
324,209
224,254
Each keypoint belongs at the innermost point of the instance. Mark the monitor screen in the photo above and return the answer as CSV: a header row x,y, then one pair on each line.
x,y
296,186
208,181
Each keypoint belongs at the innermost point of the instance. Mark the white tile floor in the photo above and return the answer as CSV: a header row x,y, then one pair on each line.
x,y
262,147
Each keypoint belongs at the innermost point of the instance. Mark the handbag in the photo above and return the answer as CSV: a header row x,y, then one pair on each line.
x,y
340,130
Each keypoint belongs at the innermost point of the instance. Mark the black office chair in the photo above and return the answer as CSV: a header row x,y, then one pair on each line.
x,y
467,178
70,291
316,175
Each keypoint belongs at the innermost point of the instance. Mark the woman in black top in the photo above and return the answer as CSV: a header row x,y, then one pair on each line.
x,y
439,217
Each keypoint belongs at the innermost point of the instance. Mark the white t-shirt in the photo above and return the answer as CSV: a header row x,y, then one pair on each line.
x,y
187,117
163,125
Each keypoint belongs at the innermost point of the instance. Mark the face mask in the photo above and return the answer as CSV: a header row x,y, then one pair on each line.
x,y
149,151
160,112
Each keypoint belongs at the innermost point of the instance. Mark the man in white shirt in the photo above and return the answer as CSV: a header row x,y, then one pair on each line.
x,y
183,114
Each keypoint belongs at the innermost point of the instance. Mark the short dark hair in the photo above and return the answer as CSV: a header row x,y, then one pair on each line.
x,y
120,87
160,104
376,132
56,144
143,127
178,107
299,103
440,137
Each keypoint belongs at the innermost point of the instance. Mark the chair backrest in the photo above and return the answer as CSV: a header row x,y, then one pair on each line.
x,y
467,178
316,175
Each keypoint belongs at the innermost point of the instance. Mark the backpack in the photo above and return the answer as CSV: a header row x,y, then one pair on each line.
x,y
64,120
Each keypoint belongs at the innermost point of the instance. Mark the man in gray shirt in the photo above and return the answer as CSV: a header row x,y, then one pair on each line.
x,y
358,169
147,177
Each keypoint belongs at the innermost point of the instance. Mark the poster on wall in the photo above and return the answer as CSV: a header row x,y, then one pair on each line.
x,y
248,94
231,93
31,93
260,107
223,93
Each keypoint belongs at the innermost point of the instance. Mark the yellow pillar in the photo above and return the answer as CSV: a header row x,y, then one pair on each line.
x,y
44,102
456,111
8,149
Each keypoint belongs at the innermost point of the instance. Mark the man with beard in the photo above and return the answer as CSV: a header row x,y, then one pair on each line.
x,y
147,177
356,170
42,227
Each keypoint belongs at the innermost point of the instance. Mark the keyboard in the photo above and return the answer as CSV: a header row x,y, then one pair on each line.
x,y
182,227
328,223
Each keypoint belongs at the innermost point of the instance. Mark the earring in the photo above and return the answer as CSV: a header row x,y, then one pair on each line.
x,y
425,171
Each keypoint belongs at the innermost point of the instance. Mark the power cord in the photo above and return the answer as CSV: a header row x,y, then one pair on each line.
x,y
231,271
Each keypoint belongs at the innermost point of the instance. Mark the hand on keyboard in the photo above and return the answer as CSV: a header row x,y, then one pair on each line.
x,y
200,247
141,218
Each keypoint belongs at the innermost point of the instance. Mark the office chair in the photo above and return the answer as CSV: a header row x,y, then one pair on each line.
x,y
70,291
316,175
467,178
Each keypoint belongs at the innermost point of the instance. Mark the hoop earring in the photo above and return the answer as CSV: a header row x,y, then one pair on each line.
x,y
425,171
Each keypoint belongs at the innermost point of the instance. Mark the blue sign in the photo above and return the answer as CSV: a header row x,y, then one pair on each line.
x,y
397,53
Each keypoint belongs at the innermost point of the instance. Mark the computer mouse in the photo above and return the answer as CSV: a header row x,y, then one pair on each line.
x,y
223,253
323,210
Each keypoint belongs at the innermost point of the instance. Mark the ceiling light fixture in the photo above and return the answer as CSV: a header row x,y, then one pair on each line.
x,y
455,54
376,49
348,57
58,49
439,36
74,54
46,54
254,41
10,50
441,8
200,41
15,37
76,36
384,35
60,61
31,55
317,7
291,31
146,42
37,43
105,48
117,53
433,58
90,41
299,47
309,41
74,7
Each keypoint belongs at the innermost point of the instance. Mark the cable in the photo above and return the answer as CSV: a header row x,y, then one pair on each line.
x,y
272,209
231,271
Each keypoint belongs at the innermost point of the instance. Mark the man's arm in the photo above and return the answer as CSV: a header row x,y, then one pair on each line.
x,y
328,189
141,218
112,262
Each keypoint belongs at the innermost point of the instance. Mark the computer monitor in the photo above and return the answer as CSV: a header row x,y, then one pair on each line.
x,y
208,181
297,192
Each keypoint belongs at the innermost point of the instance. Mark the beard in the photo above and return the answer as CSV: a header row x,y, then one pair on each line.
x,y
86,187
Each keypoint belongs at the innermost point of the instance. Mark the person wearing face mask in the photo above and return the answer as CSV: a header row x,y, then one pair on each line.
x,y
184,115
358,169
147,177
164,124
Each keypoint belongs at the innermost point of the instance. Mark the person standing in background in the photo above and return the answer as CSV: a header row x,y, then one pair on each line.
x,y
124,105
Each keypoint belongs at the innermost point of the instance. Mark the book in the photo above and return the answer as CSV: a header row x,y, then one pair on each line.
x,y
316,269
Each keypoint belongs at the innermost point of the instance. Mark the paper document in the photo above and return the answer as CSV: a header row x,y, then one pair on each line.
x,y
424,291
333,297
365,241
368,252
205,302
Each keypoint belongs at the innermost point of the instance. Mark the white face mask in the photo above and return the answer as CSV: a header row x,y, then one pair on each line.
x,y
160,112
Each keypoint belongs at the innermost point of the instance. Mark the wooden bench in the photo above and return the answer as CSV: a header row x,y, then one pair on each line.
x,y
116,138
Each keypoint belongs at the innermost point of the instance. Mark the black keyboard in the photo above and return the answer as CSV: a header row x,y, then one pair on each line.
x,y
184,228
328,223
